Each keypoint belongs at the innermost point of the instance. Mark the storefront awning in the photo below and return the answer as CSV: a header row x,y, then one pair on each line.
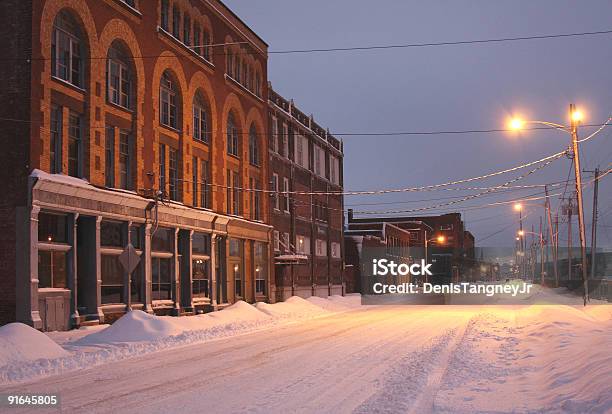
x,y
285,259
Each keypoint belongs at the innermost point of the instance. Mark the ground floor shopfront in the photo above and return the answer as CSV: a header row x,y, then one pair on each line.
x,y
70,266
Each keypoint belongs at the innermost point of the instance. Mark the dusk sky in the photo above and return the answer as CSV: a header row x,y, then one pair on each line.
x,y
464,87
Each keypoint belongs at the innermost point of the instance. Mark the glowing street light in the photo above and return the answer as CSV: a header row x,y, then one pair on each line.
x,y
518,206
441,239
575,116
521,233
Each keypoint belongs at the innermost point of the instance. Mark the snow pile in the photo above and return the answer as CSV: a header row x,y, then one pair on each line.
x,y
21,343
134,326
556,357
137,333
293,308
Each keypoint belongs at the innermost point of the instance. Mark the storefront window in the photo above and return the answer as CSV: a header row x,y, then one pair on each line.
x,y
161,279
112,280
200,286
52,269
200,243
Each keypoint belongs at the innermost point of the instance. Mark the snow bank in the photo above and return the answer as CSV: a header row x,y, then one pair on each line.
x,y
293,308
21,343
137,333
134,326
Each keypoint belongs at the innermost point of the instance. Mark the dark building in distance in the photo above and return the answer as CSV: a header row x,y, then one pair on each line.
x,y
306,171
441,240
125,122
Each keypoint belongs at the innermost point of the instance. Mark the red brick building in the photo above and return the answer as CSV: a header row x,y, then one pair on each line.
x,y
137,122
451,259
306,170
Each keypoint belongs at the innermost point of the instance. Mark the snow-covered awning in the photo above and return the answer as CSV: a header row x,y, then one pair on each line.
x,y
290,259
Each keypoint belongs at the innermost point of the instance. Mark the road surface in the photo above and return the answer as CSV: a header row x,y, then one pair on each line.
x,y
379,359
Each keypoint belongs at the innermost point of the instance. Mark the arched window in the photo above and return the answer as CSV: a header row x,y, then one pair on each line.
x,y
232,136
253,146
168,101
200,119
67,50
119,77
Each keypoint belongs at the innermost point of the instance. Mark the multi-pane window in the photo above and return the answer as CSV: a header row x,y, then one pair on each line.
x,y
55,145
320,247
207,40
260,267
125,160
200,120
274,136
319,161
199,284
75,131
301,150
302,244
286,194
237,69
275,189
334,170
335,250
53,232
257,201
197,39
165,12
257,85
204,184
285,242
200,178
168,101
237,195
276,241
173,158
187,30
161,278
176,22
66,50
230,63
162,167
232,136
109,157
119,79
52,269
285,140
253,146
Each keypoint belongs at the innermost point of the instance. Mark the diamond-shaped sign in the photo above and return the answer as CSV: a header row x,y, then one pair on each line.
x,y
129,259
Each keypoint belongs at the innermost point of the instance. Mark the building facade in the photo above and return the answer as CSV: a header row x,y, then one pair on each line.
x,y
136,123
306,209
441,240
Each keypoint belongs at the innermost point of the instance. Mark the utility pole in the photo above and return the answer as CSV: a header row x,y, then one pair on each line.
x,y
556,247
574,132
594,223
570,207
541,254
552,238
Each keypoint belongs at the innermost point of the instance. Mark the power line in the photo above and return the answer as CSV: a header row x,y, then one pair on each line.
x,y
447,43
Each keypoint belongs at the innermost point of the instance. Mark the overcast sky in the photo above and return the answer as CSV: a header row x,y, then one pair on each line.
x,y
462,87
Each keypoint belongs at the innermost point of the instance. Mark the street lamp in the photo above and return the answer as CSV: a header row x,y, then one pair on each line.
x,y
575,117
440,239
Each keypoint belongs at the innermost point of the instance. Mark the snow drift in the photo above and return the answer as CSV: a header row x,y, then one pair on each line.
x,y
138,333
20,343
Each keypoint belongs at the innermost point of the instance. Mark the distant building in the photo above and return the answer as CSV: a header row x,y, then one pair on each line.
x,y
451,259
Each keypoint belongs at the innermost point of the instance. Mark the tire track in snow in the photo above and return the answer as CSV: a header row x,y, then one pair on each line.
x,y
411,385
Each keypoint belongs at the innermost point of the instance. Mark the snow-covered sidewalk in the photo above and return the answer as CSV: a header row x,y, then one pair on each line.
x,y
26,354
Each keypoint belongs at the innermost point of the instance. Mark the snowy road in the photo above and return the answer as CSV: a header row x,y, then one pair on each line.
x,y
383,359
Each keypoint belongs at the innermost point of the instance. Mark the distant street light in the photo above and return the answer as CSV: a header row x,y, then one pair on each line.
x,y
576,116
